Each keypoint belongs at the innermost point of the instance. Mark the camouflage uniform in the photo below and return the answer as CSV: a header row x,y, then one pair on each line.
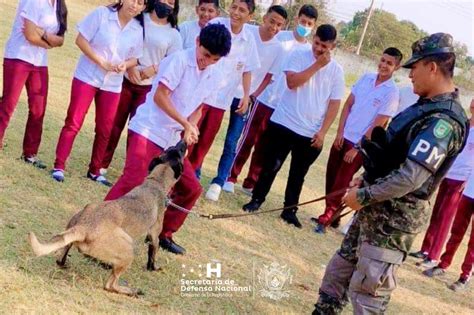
x,y
425,142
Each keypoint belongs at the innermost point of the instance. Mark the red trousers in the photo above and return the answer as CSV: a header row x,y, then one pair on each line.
x,y
444,210
131,97
16,74
140,152
209,124
464,217
338,176
106,104
256,125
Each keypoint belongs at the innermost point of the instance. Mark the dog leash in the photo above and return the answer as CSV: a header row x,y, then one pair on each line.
x,y
169,202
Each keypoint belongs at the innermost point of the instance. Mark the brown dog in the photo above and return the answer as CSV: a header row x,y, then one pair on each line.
x,y
106,230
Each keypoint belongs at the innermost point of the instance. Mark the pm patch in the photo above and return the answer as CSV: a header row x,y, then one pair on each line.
x,y
442,129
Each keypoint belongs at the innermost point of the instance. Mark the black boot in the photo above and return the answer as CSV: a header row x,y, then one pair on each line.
x,y
169,245
289,216
252,206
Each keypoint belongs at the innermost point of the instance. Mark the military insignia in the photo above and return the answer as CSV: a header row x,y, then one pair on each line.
x,y
442,129
274,280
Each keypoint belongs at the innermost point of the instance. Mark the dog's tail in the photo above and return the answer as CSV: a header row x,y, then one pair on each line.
x,y
58,241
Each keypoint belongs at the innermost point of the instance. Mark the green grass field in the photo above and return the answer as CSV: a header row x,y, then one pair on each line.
x,y
31,201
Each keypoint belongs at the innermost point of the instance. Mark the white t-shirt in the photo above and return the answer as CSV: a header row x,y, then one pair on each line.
x,y
407,98
190,86
41,13
303,109
189,30
469,189
370,101
271,95
270,54
242,58
464,163
102,30
160,41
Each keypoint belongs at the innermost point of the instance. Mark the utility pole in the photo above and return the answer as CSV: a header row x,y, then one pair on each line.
x,y
365,27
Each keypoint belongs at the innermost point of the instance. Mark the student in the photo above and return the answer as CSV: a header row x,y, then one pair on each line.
x,y
39,25
236,69
299,124
464,217
269,51
447,201
184,81
267,102
161,39
206,10
111,40
372,102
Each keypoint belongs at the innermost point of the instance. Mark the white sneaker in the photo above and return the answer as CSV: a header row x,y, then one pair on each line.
x,y
213,192
247,191
228,187
103,171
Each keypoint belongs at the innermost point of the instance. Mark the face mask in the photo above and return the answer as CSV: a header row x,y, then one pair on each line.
x,y
303,31
162,10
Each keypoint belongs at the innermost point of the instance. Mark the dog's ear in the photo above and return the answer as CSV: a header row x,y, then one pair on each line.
x,y
177,167
156,161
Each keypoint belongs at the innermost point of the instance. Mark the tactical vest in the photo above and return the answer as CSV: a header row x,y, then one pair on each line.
x,y
388,150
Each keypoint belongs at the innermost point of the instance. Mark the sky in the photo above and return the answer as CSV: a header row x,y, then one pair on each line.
x,y
450,16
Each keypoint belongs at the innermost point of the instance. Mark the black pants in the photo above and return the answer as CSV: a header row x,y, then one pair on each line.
x,y
279,142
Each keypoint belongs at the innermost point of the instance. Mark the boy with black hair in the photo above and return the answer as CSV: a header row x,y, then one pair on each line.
x,y
270,53
184,81
206,10
372,102
307,109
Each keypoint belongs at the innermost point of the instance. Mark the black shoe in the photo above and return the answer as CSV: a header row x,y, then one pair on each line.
x,y
169,245
336,223
289,216
99,179
420,255
33,160
252,206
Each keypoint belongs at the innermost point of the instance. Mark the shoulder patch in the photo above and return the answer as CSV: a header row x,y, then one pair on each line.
x,y
442,129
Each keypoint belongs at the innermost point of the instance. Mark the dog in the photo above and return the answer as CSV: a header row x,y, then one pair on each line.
x,y
106,230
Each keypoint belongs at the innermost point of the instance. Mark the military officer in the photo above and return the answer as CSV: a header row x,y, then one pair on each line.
x,y
403,166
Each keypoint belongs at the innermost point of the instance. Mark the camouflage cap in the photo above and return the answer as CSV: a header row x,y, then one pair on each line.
x,y
438,43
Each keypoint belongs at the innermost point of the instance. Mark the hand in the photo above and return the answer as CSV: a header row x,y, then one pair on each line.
x,y
243,106
134,75
191,134
147,73
356,182
339,141
107,66
323,59
38,30
350,199
318,140
121,67
350,155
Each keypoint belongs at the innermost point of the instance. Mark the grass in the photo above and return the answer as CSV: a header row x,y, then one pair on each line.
x,y
31,201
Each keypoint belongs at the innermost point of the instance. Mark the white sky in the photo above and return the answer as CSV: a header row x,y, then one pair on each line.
x,y
450,16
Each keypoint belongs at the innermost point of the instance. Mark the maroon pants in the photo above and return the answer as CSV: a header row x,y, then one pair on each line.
x,y
256,125
106,104
140,152
444,210
16,74
131,97
464,217
338,176
209,124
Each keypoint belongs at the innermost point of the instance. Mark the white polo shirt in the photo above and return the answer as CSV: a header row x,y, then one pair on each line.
x,y
242,58
406,98
42,14
303,109
469,189
271,95
102,30
464,163
189,30
190,86
370,101
160,41
270,54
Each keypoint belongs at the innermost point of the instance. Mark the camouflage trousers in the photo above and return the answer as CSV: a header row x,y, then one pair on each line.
x,y
366,273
